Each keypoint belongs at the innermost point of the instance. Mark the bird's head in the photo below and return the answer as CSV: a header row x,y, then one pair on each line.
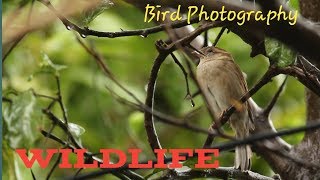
x,y
213,53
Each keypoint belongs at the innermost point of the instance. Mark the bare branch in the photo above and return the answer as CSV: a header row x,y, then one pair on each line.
x,y
302,77
219,36
84,32
55,165
121,174
188,95
62,106
273,101
161,117
100,61
148,117
62,125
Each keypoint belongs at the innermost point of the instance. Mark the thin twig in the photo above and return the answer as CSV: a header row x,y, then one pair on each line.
x,y
219,36
206,39
196,93
161,116
55,165
314,73
51,104
78,172
186,40
188,115
62,125
266,135
49,132
100,61
5,99
298,73
43,96
121,174
188,95
62,106
32,174
273,101
84,32
308,66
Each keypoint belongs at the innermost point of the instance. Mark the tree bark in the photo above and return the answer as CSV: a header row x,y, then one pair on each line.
x,y
309,148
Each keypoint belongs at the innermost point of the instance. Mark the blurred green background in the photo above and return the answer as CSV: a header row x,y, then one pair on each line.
x,y
108,123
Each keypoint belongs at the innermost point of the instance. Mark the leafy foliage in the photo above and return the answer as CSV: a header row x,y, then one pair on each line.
x,y
294,4
76,131
90,15
21,119
47,66
280,53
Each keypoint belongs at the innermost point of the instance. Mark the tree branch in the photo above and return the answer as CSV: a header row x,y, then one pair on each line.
x,y
222,147
221,172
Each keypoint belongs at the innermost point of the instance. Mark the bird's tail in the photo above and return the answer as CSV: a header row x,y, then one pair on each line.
x,y
243,154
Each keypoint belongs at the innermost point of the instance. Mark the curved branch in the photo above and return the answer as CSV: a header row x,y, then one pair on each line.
x,y
148,117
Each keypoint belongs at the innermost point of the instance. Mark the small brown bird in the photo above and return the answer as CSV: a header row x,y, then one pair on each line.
x,y
223,84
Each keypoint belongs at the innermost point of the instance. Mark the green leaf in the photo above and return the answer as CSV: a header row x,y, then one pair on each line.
x,y
30,78
21,119
76,131
294,4
94,12
190,162
136,123
280,53
49,67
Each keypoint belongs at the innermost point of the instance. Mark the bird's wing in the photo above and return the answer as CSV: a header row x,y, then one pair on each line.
x,y
245,89
216,78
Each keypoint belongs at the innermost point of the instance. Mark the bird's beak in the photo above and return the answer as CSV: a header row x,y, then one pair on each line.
x,y
197,52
